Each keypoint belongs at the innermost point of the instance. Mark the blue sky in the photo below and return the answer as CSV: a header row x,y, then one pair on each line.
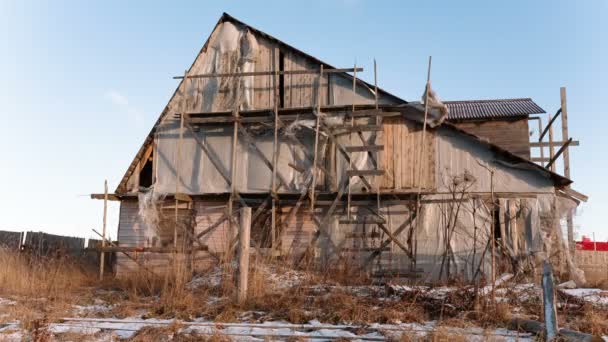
x,y
82,83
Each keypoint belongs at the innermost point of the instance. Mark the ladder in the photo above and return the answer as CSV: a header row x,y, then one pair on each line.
x,y
365,237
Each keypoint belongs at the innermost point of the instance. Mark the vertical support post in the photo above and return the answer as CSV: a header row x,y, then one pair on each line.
x,y
493,235
244,234
551,146
103,231
420,156
378,122
565,136
549,311
316,146
350,139
178,155
235,137
542,148
275,155
566,156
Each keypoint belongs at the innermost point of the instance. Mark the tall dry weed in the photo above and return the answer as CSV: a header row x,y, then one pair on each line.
x,y
51,278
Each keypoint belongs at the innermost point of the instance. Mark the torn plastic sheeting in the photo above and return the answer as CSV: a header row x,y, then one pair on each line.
x,y
232,49
199,175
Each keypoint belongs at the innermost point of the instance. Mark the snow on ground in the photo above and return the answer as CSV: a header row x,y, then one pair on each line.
x,y
592,296
279,278
126,328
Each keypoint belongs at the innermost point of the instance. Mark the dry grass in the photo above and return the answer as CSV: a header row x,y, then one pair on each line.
x,y
51,278
591,320
170,296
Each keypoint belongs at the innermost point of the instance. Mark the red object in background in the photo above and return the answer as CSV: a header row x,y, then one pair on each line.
x,y
588,245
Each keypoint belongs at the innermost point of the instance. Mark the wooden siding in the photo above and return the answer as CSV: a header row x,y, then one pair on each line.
x,y
301,90
402,139
512,135
132,232
266,59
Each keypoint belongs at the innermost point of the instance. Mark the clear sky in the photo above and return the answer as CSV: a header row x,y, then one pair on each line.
x,y
82,83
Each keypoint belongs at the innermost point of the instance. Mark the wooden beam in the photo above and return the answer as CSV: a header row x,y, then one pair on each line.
x,y
559,152
564,109
125,253
546,130
270,73
125,249
316,144
111,197
352,173
182,197
546,144
102,258
345,154
386,242
364,148
251,142
244,234
571,192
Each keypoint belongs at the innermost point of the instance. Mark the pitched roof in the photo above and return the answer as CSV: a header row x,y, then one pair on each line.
x,y
491,109
227,17
483,106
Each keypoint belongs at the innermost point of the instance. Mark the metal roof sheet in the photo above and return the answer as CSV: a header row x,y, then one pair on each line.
x,y
491,109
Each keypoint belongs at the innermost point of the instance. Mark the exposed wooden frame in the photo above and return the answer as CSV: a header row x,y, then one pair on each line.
x,y
559,153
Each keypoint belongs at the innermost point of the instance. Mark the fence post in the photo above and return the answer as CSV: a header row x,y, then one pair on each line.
x,y
244,233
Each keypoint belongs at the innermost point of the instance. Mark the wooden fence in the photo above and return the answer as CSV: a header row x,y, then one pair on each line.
x,y
593,263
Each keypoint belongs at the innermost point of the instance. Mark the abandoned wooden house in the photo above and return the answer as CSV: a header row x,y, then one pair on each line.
x,y
335,169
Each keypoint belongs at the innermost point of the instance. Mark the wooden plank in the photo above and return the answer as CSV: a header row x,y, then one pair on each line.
x,y
182,197
559,152
111,197
270,72
564,108
360,128
126,249
363,220
342,151
571,192
244,241
387,242
364,148
354,173
546,144
103,237
373,112
316,146
548,127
